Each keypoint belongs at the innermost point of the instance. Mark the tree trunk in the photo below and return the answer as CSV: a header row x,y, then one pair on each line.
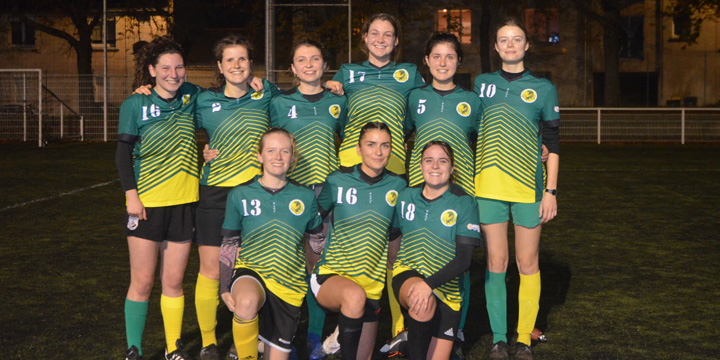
x,y
86,89
611,53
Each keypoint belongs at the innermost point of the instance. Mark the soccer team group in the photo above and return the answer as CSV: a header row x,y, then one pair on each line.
x,y
282,216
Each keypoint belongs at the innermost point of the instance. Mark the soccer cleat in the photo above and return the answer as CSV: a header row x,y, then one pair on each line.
x,y
397,346
331,344
522,352
499,351
232,354
132,354
178,354
315,348
209,352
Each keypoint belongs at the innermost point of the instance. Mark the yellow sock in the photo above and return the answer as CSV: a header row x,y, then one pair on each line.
x,y
245,336
172,313
528,306
398,322
206,303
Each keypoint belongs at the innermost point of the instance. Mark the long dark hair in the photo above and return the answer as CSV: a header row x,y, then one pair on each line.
x,y
149,55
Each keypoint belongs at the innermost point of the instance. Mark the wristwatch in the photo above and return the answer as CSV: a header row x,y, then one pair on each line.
x,y
551,191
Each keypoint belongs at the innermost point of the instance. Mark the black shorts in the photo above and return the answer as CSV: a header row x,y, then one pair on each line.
x,y
372,307
210,215
278,319
171,223
445,320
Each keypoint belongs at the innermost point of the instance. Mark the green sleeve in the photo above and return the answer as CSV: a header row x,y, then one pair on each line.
x,y
233,211
129,111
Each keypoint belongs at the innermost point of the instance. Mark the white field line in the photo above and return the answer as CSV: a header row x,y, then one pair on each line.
x,y
58,195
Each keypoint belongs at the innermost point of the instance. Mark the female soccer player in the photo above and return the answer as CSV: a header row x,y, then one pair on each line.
x,y
234,117
439,218
509,178
349,278
156,157
268,215
314,116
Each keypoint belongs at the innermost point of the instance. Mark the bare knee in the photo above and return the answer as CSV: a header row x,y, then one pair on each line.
x,y
498,263
246,307
140,286
353,302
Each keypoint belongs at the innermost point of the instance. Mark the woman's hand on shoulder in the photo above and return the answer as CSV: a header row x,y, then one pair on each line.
x,y
144,90
256,83
335,87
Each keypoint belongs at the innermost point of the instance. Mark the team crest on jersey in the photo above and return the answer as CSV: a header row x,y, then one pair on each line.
x,y
186,99
216,107
463,109
257,95
334,110
391,197
401,75
297,207
528,95
448,217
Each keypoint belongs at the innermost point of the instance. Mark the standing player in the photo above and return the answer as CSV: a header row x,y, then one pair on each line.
x,y
349,278
156,157
377,89
520,112
439,218
269,215
314,116
234,118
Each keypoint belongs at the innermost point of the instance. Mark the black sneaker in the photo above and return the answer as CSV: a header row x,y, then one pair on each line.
x,y
209,352
499,351
522,352
132,354
232,354
397,346
178,354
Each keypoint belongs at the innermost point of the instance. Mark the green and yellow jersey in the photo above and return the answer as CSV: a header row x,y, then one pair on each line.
x,y
234,127
377,94
313,120
271,227
165,147
508,166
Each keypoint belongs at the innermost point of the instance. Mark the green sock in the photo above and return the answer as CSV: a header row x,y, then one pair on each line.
x,y
316,316
465,289
496,297
135,314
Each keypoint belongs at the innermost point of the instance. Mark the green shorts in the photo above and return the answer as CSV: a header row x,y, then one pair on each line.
x,y
498,211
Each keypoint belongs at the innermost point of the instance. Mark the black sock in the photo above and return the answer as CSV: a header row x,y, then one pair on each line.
x,y
349,336
419,336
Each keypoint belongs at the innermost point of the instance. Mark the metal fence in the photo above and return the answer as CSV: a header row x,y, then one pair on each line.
x,y
36,106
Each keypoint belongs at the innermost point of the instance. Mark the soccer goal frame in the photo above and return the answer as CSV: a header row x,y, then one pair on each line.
x,y
25,98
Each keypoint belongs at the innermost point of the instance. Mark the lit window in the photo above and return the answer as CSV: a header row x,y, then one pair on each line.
x,y
23,34
543,26
456,21
97,33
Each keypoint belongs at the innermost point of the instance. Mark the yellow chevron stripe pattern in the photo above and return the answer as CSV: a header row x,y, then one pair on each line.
x,y
375,103
425,253
443,129
275,252
316,154
237,139
169,165
507,156
361,255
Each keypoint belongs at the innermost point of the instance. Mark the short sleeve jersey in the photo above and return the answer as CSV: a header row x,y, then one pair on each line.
x,y
363,211
377,94
165,150
507,160
313,120
271,228
451,118
433,227
234,127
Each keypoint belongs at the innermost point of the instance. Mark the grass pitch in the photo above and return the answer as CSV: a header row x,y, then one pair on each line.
x,y
629,268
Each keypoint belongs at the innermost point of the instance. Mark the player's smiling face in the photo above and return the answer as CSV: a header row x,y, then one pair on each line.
x,y
235,64
443,62
511,44
374,148
380,41
276,155
169,74
436,167
308,64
